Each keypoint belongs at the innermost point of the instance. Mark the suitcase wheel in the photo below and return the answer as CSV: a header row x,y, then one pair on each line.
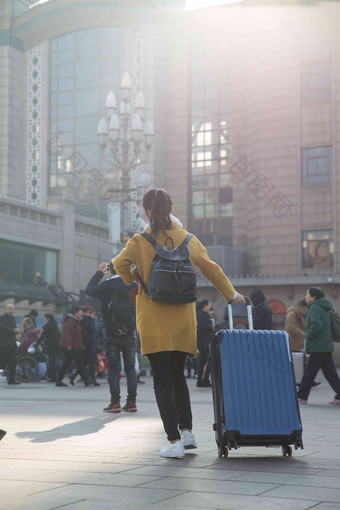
x,y
222,451
287,450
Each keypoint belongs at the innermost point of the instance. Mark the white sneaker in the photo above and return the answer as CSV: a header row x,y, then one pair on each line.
x,y
188,440
172,450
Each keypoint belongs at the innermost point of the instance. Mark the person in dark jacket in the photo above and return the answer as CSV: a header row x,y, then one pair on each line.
x,y
72,343
205,332
319,345
89,341
50,339
262,314
115,345
295,327
8,344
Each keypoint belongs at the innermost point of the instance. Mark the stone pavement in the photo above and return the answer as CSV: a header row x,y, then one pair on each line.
x,y
62,452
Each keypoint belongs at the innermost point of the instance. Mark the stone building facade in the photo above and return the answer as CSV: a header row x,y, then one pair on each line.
x,y
245,104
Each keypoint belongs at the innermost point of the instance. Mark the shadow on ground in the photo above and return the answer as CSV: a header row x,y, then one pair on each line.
x,y
78,428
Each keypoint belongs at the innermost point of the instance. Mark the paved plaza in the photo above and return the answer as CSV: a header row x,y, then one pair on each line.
x,y
62,452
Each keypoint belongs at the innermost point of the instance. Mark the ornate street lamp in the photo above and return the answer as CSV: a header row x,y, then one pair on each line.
x,y
129,137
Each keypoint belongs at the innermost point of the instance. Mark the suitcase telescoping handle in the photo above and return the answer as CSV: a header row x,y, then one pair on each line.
x,y
250,316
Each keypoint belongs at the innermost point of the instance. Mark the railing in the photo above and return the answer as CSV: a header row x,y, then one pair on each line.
x,y
19,208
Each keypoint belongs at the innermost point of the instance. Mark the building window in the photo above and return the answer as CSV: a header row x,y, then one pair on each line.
x,y
317,82
317,166
20,263
211,149
317,249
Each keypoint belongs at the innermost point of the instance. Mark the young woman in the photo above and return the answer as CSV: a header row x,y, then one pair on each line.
x,y
168,331
319,344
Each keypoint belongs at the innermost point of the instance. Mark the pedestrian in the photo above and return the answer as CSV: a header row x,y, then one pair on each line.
x,y
8,344
33,314
262,314
72,343
191,366
114,343
29,335
319,345
49,340
89,341
26,323
168,331
205,332
295,325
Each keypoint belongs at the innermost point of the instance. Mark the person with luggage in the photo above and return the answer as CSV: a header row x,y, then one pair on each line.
x,y
72,343
49,341
90,346
205,332
168,330
262,314
319,345
114,296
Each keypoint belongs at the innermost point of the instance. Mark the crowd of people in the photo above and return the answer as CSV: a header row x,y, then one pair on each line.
x,y
171,335
48,344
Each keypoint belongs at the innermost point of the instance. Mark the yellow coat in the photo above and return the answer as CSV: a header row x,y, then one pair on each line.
x,y
163,326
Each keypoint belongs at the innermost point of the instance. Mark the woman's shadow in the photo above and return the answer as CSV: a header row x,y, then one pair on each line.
x,y
78,428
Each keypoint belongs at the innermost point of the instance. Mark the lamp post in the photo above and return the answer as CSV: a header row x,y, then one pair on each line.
x,y
129,137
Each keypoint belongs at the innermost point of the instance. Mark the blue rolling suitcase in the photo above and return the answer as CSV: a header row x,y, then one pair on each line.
x,y
254,389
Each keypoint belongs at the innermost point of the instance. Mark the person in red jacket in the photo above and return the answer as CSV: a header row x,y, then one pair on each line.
x,y
72,344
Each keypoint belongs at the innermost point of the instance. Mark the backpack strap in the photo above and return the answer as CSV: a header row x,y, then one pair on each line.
x,y
153,242
149,238
144,287
186,240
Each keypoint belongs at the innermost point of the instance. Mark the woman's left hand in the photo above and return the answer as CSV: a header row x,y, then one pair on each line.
x,y
239,299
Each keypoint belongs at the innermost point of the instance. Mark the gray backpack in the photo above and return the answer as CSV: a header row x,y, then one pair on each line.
x,y
172,276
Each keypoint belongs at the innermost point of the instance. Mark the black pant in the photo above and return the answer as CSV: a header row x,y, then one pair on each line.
x,y
92,371
317,360
171,391
8,359
52,365
70,355
203,371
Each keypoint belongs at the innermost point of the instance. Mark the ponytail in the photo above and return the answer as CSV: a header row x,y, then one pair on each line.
x,y
158,202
